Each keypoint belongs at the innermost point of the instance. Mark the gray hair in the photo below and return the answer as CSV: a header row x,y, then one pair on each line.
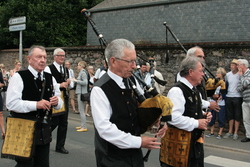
x,y
244,62
190,62
58,50
115,48
33,47
67,61
192,50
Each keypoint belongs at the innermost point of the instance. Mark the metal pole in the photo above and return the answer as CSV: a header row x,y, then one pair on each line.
x,y
20,47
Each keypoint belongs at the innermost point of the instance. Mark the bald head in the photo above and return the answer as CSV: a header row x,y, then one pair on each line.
x,y
197,52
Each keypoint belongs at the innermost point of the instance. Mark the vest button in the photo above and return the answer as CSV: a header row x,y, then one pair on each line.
x,y
130,114
132,124
196,113
127,102
122,93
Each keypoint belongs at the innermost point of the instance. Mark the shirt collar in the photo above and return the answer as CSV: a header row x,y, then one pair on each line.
x,y
116,78
186,82
57,65
34,72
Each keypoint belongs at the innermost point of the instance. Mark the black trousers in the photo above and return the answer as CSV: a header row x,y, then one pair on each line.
x,y
40,158
134,160
61,121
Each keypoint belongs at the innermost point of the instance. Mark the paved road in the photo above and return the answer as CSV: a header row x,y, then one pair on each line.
x,y
81,147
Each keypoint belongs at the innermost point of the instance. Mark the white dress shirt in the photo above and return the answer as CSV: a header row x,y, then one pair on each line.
x,y
97,73
102,111
71,76
47,69
160,89
175,94
14,100
205,103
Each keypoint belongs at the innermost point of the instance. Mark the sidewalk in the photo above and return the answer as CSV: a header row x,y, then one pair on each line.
x,y
226,144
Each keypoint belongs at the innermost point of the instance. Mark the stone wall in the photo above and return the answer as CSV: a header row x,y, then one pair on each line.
x,y
217,55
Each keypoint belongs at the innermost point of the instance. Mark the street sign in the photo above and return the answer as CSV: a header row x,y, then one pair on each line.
x,y
18,27
17,20
16,24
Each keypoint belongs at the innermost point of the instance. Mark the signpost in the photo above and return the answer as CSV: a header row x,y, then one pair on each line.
x,y
16,24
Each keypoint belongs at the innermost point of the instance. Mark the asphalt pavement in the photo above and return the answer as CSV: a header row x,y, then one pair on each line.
x,y
226,144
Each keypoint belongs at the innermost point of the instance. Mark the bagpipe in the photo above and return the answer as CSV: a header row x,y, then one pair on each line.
x,y
150,110
211,82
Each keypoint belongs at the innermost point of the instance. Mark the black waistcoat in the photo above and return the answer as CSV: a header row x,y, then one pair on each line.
x,y
58,76
32,91
124,115
193,109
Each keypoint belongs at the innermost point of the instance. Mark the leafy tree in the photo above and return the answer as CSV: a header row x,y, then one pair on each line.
x,y
48,23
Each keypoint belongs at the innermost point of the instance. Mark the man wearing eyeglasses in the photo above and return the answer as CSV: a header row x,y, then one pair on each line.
x,y
244,87
60,117
117,137
144,74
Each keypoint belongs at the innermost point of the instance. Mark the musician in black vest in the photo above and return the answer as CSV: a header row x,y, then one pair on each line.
x,y
117,132
187,111
199,53
60,120
24,101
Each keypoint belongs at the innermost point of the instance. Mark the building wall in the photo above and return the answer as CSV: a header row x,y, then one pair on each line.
x,y
191,22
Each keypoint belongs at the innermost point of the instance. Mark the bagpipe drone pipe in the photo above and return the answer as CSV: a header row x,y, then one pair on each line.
x,y
151,109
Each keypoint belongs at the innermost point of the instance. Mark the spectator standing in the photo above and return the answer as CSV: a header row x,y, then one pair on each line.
x,y
144,74
6,76
71,87
160,88
233,101
1,108
82,87
100,71
91,72
220,98
17,67
244,87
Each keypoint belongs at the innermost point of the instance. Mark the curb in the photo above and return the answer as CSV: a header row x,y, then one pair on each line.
x,y
227,148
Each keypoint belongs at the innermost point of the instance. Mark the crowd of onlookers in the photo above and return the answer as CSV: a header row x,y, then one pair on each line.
x,y
5,76
233,101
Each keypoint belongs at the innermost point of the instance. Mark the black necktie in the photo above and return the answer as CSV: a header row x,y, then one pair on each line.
x,y
125,81
61,70
195,92
39,76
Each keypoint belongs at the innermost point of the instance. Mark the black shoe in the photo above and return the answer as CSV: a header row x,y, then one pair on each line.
x,y
245,140
62,150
